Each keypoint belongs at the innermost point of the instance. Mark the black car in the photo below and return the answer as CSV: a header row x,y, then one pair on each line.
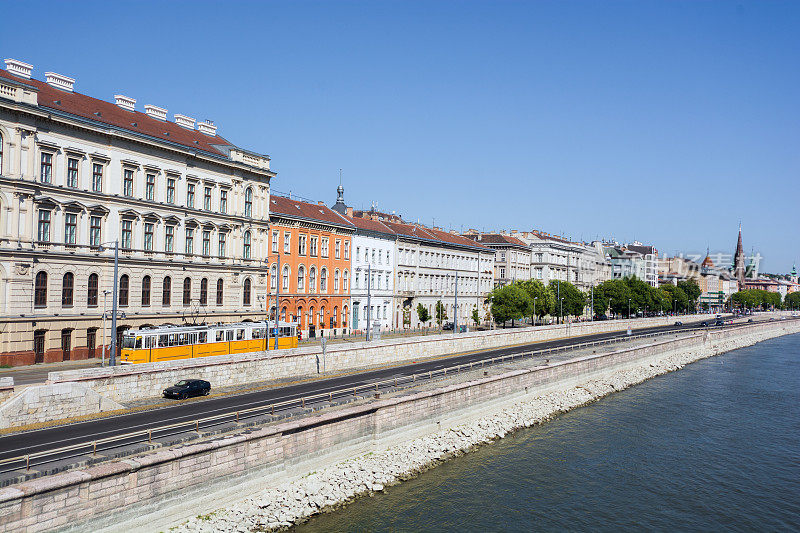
x,y
186,388
719,322
704,324
447,326
678,323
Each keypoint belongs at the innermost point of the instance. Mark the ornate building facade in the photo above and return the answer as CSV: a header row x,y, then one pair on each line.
x,y
189,211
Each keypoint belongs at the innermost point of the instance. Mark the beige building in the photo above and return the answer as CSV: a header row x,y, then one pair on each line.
x,y
189,210
512,257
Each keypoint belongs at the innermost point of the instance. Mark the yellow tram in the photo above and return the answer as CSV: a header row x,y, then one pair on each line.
x,y
168,343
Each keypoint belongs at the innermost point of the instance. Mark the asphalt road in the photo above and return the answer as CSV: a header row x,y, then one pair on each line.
x,y
17,444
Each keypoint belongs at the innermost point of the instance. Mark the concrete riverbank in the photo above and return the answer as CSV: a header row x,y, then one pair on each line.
x,y
380,442
284,504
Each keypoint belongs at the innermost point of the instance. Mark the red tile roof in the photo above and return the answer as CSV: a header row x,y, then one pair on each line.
x,y
370,225
432,234
496,238
280,205
109,113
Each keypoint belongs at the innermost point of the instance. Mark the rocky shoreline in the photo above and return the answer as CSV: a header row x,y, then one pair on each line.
x,y
280,507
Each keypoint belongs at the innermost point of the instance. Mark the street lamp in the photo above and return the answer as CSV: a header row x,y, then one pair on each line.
x,y
105,312
629,308
534,309
115,302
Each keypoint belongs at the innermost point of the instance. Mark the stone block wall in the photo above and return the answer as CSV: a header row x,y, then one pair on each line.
x,y
52,402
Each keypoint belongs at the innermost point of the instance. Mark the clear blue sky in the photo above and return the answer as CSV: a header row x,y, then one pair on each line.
x,y
667,122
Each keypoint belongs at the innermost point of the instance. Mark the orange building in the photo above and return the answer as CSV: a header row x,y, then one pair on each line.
x,y
312,243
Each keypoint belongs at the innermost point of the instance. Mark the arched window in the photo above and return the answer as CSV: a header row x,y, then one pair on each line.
x,y
335,315
92,290
204,291
273,278
336,280
312,279
247,245
40,290
146,283
220,287
323,280
166,293
246,295
124,287
248,202
67,285
301,279
187,292
344,316
286,277
1,153
283,314
346,280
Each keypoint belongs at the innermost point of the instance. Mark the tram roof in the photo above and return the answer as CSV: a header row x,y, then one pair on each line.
x,y
202,327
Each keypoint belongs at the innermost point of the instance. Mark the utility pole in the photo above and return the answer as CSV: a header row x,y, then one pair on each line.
x,y
558,295
113,359
277,295
455,308
592,317
369,300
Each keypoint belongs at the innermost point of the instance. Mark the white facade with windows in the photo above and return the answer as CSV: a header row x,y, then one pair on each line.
x,y
373,271
189,210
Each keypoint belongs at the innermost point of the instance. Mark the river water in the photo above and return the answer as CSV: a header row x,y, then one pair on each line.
x,y
715,446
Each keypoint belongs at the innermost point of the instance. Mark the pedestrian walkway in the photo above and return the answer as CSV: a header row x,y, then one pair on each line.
x,y
27,375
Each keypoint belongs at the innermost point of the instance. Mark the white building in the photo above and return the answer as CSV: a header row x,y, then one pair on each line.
x,y
372,292
190,212
512,260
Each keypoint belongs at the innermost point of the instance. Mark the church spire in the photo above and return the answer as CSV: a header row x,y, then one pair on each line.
x,y
738,261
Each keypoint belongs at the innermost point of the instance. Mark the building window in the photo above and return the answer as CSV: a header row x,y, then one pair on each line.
x,y
127,182
72,172
92,290
313,247
66,344
91,342
206,242
220,287
221,244
248,202
127,234
124,287
274,242
189,241
169,238
336,280
287,242
347,250
40,290
47,168
246,295
223,201
286,278
166,292
207,199
94,231
273,278
336,250
70,228
67,286
323,280
187,292
324,250
204,291
301,244
301,279
150,187
312,279
44,225
347,280
148,236
38,344
246,245
97,177
146,283
190,195
170,190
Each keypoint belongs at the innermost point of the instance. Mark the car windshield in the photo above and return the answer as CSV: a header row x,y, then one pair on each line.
x,y
182,383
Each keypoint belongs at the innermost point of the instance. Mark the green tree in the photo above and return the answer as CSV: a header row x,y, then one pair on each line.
x,y
598,301
678,299
476,316
544,302
441,313
617,292
423,314
792,301
574,301
509,302
692,290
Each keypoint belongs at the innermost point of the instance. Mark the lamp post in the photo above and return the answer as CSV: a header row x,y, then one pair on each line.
x,y
534,310
610,299
369,300
114,303
105,312
629,308
455,307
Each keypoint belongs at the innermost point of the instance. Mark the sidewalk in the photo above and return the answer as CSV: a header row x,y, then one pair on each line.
x,y
27,375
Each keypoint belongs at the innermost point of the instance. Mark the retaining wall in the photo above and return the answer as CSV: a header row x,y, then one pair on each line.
x,y
126,383
147,492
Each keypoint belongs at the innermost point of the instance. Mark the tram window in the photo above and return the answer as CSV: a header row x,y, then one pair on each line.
x,y
138,343
203,336
148,342
172,339
257,333
220,336
162,341
229,335
239,334
192,338
128,342
183,339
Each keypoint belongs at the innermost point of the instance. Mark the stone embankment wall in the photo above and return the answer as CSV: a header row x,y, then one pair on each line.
x,y
126,383
53,402
152,490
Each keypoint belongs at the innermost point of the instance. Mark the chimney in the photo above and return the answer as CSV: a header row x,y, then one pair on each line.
x,y
184,121
125,102
349,212
156,112
59,81
18,68
207,127
321,203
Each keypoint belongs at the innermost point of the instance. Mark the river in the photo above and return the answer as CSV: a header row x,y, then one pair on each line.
x,y
713,446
